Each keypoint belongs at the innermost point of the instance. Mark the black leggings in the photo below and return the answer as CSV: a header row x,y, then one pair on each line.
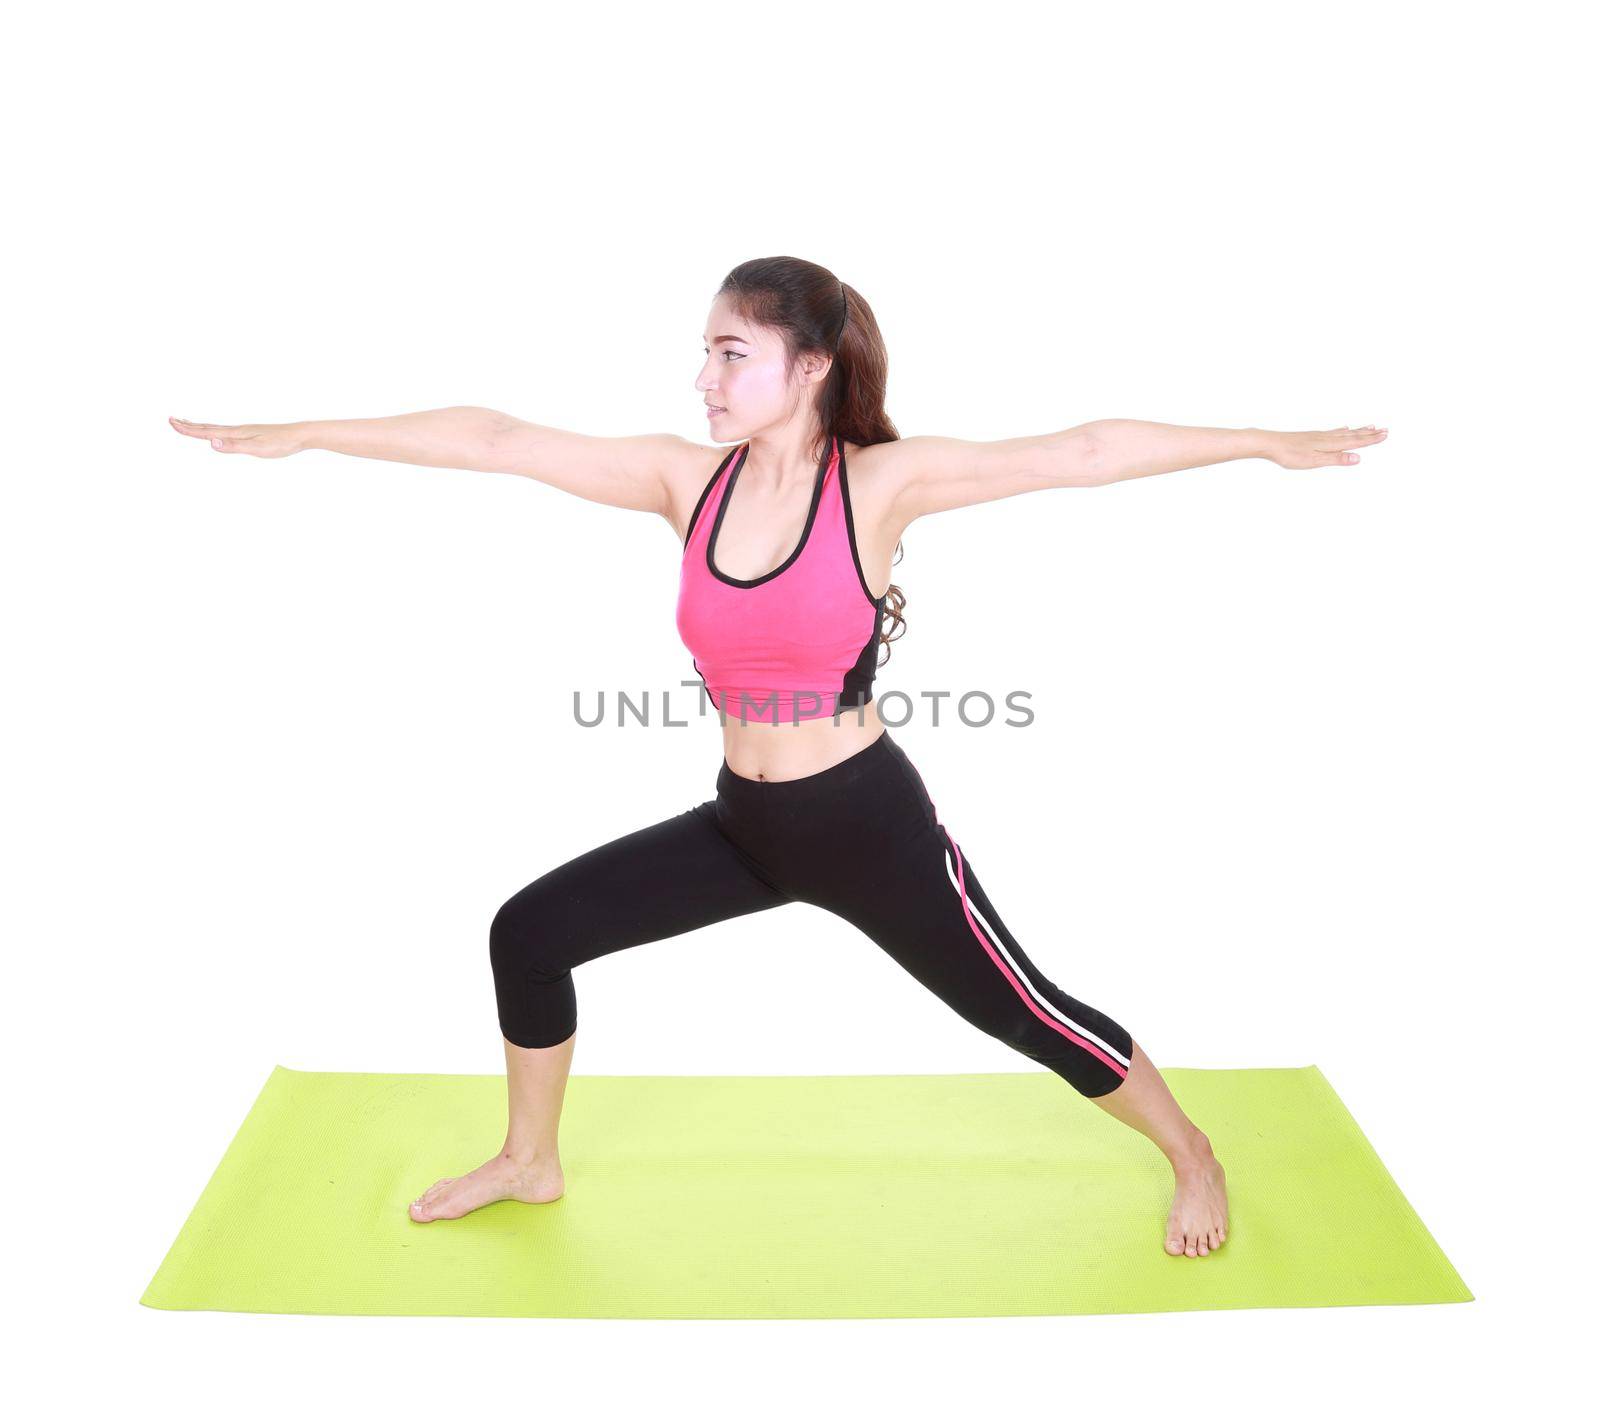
x,y
861,839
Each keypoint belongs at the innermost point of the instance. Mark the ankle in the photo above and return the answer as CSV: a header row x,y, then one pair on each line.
x,y
1194,1151
523,1156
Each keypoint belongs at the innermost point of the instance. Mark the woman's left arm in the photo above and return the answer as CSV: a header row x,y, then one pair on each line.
x,y
932,473
1131,449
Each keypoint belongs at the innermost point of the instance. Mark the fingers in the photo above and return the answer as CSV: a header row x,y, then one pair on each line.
x,y
1341,442
189,427
229,439
200,430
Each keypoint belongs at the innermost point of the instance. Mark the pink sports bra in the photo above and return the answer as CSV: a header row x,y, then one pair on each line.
x,y
799,642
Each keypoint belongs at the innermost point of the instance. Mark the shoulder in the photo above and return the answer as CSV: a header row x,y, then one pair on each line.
x,y
688,469
876,476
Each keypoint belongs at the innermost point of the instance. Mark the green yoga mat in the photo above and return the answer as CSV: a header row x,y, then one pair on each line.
x,y
818,1197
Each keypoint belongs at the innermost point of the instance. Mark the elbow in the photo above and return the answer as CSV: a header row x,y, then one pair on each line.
x,y
1089,455
485,435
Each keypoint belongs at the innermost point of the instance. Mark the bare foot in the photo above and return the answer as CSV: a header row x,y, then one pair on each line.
x,y
1198,1222
502,1177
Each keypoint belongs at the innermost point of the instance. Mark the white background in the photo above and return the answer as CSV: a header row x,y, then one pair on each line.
x,y
1306,785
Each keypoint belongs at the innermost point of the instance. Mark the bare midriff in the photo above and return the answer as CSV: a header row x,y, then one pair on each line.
x,y
764,751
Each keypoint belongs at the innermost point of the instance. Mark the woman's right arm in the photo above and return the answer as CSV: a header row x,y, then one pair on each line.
x,y
643,472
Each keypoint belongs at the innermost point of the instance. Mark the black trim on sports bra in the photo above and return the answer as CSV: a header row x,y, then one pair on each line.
x,y
850,532
705,493
856,690
805,533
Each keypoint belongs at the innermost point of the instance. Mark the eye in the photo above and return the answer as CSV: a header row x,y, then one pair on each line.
x,y
726,352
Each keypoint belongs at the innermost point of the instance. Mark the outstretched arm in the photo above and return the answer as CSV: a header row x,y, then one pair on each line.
x,y
933,473
1132,449
625,471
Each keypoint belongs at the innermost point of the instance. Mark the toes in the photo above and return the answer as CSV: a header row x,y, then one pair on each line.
x,y
420,1205
1175,1245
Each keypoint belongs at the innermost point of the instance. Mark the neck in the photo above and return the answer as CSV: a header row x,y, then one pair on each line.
x,y
785,459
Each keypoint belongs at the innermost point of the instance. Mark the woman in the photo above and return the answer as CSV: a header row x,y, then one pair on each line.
x,y
782,597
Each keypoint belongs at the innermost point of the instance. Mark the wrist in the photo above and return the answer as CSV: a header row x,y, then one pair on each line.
x,y
1257,444
307,434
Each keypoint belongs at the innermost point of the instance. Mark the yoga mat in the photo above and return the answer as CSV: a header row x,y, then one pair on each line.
x,y
817,1197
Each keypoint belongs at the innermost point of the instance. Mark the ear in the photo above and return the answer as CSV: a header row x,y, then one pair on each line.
x,y
814,366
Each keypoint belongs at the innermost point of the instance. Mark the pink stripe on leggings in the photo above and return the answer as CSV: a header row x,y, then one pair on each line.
x,y
1000,963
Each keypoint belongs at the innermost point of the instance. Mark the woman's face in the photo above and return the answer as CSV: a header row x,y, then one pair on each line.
x,y
745,377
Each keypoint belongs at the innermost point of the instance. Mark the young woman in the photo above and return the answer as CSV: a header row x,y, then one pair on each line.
x,y
783,593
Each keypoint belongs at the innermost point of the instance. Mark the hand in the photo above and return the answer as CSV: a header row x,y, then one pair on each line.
x,y
268,442
1310,449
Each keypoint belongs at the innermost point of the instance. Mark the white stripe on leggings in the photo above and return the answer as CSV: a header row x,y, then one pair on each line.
x,y
1040,998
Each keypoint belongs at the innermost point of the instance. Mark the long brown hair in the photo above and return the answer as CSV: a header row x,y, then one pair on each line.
x,y
813,311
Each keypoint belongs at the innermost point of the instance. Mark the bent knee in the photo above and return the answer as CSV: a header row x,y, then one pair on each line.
x,y
526,937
